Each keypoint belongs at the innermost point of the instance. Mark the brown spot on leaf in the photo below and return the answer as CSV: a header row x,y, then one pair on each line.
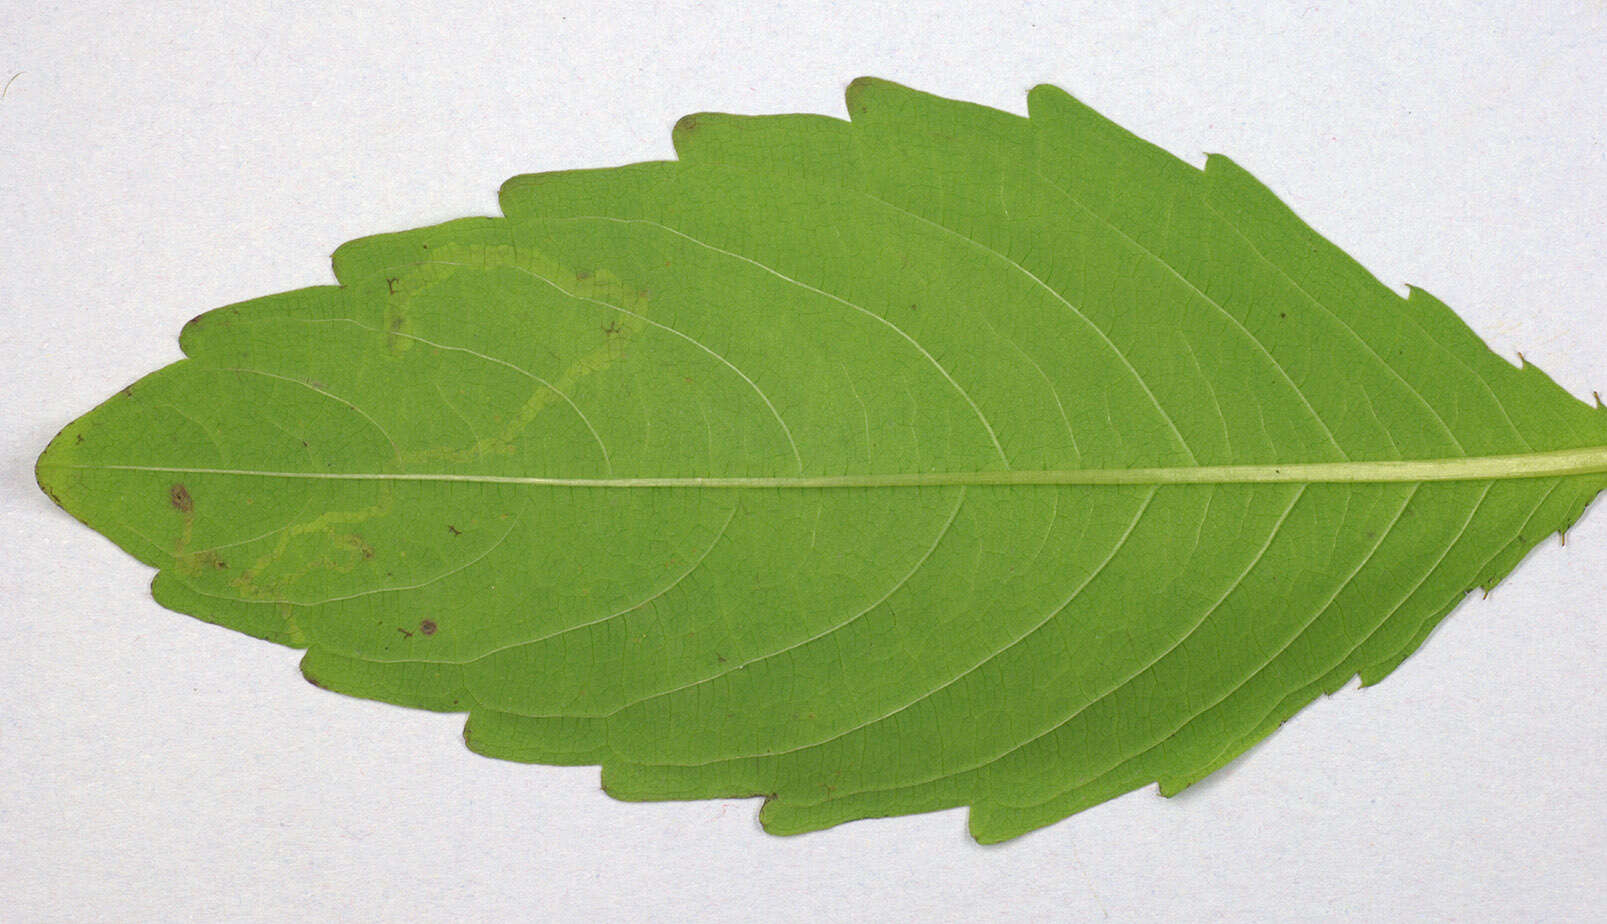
x,y
427,627
179,497
355,543
453,530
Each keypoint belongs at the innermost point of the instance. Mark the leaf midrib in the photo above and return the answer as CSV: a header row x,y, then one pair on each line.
x,y
1557,463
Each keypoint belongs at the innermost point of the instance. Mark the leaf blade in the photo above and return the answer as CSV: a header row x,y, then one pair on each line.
x,y
936,457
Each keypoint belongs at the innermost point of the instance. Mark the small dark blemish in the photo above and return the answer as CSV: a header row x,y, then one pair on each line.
x,y
355,543
128,392
1283,314
453,530
405,633
427,627
582,276
179,497
390,283
612,328
80,439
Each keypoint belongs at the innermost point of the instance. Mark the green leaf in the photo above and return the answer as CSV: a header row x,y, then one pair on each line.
x,y
936,457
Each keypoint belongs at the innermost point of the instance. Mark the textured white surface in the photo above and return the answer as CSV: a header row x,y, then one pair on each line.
x,y
160,163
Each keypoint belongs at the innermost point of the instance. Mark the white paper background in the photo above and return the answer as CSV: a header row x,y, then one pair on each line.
x,y
157,160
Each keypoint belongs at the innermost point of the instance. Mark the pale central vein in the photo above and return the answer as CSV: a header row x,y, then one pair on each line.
x,y
1584,461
